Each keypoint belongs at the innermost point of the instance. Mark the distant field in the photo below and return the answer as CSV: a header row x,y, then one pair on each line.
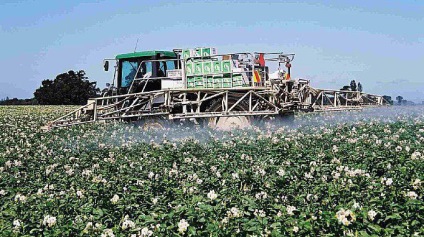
x,y
333,174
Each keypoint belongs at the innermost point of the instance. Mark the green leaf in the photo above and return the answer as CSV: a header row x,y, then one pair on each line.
x,y
393,216
276,225
375,228
192,230
98,212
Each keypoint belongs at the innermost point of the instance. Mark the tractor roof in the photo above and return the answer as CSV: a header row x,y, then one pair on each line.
x,y
146,54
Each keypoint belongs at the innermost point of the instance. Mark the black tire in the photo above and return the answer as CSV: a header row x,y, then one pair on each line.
x,y
228,123
152,123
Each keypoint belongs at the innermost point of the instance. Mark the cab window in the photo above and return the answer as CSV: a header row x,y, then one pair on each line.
x,y
146,68
170,65
162,69
128,72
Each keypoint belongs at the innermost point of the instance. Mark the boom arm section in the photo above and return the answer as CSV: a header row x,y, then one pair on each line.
x,y
281,97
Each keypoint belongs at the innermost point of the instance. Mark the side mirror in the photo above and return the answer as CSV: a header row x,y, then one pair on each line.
x,y
106,66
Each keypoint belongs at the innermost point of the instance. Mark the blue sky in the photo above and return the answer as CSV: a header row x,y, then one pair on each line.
x,y
379,43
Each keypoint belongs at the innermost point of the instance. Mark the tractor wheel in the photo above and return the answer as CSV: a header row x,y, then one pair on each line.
x,y
152,124
228,123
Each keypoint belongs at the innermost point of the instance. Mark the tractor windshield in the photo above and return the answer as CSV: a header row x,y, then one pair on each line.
x,y
129,69
128,72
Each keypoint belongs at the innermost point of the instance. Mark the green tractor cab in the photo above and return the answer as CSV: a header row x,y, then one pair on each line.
x,y
132,68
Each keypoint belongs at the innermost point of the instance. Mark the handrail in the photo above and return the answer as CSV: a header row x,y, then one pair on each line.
x,y
72,112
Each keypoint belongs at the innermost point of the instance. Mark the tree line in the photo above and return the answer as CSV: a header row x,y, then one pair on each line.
x,y
69,88
74,88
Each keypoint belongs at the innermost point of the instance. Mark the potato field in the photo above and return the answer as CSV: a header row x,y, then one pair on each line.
x,y
356,173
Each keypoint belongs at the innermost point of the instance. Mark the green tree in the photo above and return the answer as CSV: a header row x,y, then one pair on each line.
x,y
399,99
70,88
353,85
388,99
359,87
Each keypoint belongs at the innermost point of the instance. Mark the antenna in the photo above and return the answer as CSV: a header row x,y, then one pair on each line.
x,y
135,49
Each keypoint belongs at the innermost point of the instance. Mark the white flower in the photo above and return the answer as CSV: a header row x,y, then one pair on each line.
x,y
199,181
127,223
49,221
234,212
281,172
49,187
151,175
295,229
261,195
356,205
86,172
114,199
20,198
146,232
308,196
212,195
346,217
235,175
416,155
88,227
173,172
261,172
416,184
412,195
108,233
387,181
192,189
398,148
371,214
16,224
69,172
336,175
2,192
308,175
98,226
260,213
335,149
154,201
80,194
290,210
182,226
